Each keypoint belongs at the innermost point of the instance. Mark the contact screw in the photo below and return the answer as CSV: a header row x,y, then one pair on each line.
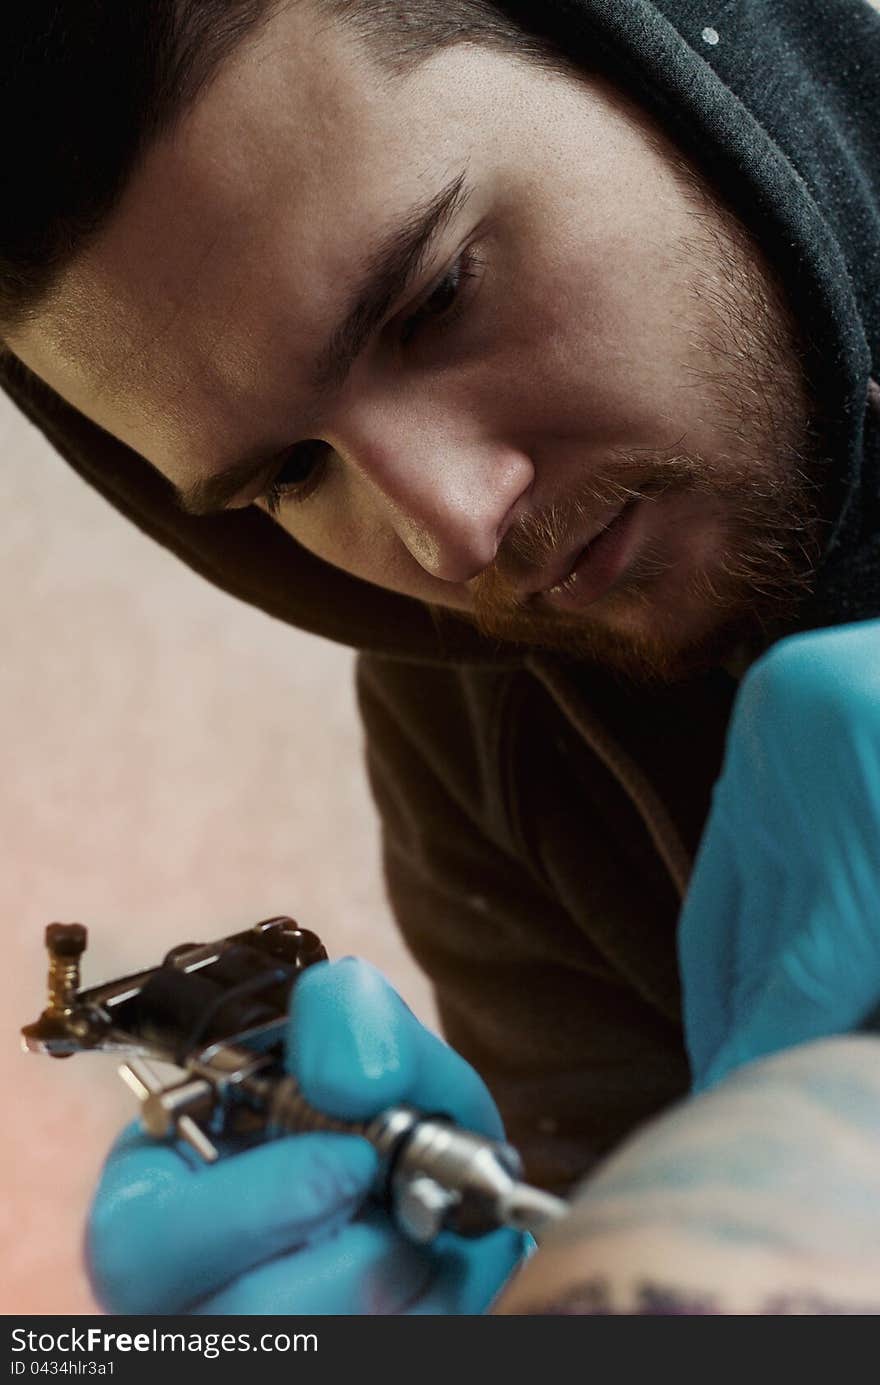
x,y
65,943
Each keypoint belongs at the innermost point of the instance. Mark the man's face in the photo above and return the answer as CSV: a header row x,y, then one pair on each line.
x,y
486,342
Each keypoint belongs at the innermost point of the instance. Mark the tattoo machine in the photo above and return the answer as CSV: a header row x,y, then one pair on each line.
x,y
218,1012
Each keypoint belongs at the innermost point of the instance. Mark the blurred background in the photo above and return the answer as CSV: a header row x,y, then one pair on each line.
x,y
175,766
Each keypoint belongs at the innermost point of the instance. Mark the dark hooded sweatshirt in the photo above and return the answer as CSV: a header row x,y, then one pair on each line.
x,y
540,819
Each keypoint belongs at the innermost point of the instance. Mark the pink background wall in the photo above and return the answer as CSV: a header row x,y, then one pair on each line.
x,y
173,766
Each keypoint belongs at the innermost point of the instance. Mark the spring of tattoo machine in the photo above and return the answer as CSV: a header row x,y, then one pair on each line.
x,y
217,1012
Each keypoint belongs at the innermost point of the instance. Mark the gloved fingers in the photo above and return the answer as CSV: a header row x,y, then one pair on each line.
x,y
163,1233
469,1275
368,1268
766,913
356,1048
709,942
819,984
804,971
805,732
795,823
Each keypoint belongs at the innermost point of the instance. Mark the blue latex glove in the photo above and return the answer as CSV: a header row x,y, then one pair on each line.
x,y
780,934
282,1227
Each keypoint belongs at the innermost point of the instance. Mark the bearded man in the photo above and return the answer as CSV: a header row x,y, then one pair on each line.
x,y
527,349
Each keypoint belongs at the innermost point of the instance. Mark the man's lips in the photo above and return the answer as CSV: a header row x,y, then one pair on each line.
x,y
592,565
566,565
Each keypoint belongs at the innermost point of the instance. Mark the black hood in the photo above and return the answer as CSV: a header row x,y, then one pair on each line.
x,y
779,101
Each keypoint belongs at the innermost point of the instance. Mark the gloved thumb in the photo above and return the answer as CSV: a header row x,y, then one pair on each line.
x,y
356,1048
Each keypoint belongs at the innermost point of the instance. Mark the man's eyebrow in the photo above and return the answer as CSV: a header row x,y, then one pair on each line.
x,y
391,267
214,493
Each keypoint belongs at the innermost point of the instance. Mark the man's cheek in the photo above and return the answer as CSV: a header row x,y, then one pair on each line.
x,y
364,547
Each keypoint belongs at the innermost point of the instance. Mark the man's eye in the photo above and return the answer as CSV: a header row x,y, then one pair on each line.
x,y
297,476
445,301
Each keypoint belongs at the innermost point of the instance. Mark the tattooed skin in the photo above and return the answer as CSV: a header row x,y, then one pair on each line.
x,y
596,1299
760,1197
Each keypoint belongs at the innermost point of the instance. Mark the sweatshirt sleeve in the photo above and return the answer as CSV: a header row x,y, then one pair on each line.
x,y
571,1055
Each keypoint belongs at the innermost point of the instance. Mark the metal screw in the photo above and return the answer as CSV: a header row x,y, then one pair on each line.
x,y
169,1110
422,1206
66,943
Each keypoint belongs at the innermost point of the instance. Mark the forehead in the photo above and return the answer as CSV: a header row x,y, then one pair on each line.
x,y
241,230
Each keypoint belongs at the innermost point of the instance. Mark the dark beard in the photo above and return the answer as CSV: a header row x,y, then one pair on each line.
x,y
766,486
751,594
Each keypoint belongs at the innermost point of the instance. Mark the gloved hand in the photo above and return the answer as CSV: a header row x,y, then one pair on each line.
x,y
282,1227
779,938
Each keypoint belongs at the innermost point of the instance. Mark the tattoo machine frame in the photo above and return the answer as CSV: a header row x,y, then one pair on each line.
x,y
218,1013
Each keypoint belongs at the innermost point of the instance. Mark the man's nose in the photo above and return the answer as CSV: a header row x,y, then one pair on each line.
x,y
450,495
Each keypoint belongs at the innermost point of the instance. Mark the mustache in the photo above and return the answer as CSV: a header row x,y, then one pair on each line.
x,y
533,541
765,566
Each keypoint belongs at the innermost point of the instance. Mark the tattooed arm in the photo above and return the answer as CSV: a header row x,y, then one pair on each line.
x,y
759,1197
